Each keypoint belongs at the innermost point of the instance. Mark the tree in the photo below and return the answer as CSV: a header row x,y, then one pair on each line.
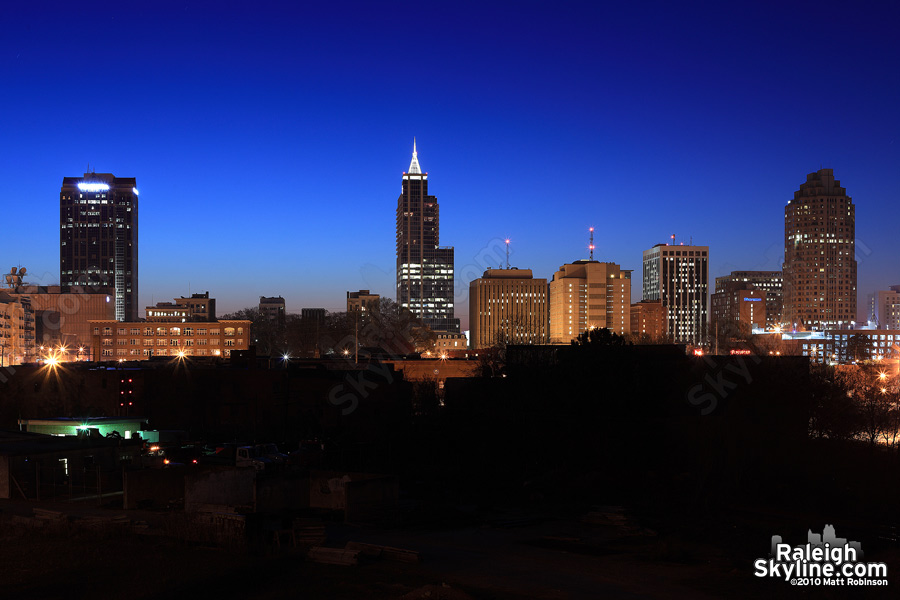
x,y
833,412
594,337
645,339
268,336
875,397
858,347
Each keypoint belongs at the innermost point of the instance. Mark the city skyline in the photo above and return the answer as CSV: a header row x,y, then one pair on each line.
x,y
215,127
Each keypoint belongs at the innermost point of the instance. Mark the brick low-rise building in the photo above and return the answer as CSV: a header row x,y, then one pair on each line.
x,y
648,318
115,340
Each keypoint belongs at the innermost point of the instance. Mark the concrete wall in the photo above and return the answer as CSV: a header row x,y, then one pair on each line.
x,y
222,487
153,487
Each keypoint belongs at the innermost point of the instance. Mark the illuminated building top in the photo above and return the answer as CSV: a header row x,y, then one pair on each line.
x,y
414,163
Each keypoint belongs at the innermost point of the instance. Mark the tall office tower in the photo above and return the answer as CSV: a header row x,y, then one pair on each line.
x,y
887,308
589,294
819,255
424,269
679,277
509,306
727,301
98,237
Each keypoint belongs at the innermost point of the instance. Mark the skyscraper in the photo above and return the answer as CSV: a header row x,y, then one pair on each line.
x,y
98,237
424,269
819,255
589,294
679,277
508,306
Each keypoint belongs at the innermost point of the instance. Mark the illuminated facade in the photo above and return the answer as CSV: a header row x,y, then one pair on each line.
x,y
844,346
887,308
447,342
197,308
678,276
98,237
15,347
819,255
61,318
424,269
648,318
589,294
728,307
114,340
508,306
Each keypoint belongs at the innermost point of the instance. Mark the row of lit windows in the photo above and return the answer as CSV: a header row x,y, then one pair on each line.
x,y
187,331
149,353
171,342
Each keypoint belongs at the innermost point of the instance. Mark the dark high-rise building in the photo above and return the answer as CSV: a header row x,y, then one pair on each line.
x,y
678,276
313,315
819,255
98,237
272,309
424,268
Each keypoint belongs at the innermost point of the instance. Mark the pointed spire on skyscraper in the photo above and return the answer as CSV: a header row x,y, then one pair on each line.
x,y
414,163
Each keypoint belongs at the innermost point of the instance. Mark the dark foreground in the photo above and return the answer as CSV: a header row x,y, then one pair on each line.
x,y
508,554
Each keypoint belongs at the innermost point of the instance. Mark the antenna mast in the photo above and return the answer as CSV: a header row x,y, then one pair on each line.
x,y
507,254
673,239
592,243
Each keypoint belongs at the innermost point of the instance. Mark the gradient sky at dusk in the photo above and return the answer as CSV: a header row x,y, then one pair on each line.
x,y
268,143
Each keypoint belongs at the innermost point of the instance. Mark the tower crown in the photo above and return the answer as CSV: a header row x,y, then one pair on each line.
x,y
414,163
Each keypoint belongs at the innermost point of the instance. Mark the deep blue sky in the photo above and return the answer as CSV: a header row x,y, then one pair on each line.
x,y
268,142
